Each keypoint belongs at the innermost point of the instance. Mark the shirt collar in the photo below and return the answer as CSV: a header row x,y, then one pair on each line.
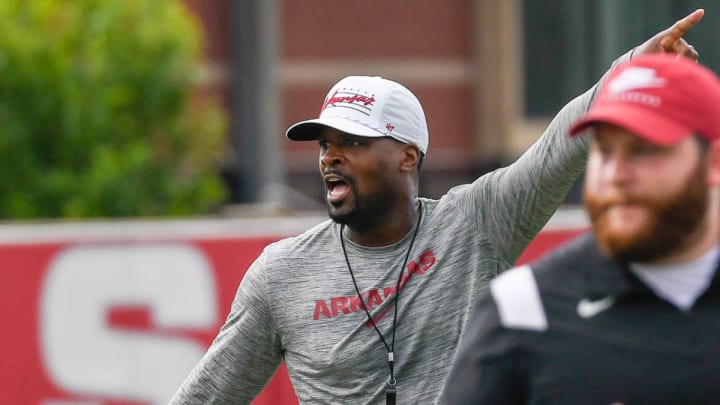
x,y
607,276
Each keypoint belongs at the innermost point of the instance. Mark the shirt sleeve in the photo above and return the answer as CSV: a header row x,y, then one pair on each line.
x,y
245,354
489,368
514,203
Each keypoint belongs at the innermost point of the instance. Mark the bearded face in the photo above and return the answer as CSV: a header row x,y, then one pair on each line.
x,y
364,206
363,180
651,221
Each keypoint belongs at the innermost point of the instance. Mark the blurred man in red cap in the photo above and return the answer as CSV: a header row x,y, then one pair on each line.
x,y
628,313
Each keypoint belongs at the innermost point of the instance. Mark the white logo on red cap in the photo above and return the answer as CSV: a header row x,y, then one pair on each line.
x,y
635,78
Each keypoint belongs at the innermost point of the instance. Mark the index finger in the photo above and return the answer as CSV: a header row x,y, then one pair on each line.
x,y
682,26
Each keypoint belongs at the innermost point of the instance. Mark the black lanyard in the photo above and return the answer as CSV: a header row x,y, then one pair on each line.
x,y
390,391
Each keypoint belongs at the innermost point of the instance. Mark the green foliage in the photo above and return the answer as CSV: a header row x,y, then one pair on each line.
x,y
96,113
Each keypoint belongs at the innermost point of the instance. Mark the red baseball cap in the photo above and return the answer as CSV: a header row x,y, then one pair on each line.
x,y
660,97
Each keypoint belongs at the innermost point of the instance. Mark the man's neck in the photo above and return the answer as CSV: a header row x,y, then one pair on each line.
x,y
387,230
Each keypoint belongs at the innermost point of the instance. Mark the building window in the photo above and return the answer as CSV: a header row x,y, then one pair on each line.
x,y
568,44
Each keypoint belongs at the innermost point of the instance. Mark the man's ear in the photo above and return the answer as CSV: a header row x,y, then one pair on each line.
x,y
411,157
713,164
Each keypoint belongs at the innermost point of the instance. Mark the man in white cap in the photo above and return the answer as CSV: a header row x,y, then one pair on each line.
x,y
369,307
627,313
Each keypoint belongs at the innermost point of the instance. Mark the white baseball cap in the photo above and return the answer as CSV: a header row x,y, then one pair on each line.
x,y
368,106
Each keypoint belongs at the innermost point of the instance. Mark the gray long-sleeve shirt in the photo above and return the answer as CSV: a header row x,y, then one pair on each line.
x,y
297,302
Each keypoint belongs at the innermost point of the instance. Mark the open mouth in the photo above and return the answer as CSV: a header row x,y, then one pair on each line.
x,y
337,188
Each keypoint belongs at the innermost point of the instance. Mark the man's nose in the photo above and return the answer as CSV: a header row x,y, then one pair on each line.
x,y
617,169
331,155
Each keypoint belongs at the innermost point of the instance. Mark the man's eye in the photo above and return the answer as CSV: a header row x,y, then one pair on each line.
x,y
352,143
602,149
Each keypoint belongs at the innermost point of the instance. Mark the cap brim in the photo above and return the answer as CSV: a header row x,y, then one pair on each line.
x,y
639,120
310,130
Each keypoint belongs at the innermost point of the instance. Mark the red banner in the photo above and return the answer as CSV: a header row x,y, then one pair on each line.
x,y
122,319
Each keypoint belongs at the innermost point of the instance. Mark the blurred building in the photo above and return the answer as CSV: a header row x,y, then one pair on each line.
x,y
490,74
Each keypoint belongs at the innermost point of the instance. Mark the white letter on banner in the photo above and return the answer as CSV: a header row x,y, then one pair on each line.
x,y
85,356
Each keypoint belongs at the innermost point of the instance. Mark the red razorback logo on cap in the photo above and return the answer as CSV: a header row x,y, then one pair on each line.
x,y
348,98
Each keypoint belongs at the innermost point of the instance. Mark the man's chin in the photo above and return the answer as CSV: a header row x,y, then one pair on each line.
x,y
340,219
622,241
341,214
616,244
632,245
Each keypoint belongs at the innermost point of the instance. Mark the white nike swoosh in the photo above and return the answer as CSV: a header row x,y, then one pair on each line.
x,y
587,308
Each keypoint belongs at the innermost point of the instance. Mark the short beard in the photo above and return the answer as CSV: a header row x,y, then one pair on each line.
x,y
365,213
671,219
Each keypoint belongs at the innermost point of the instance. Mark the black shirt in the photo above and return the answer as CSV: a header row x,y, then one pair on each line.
x,y
579,328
